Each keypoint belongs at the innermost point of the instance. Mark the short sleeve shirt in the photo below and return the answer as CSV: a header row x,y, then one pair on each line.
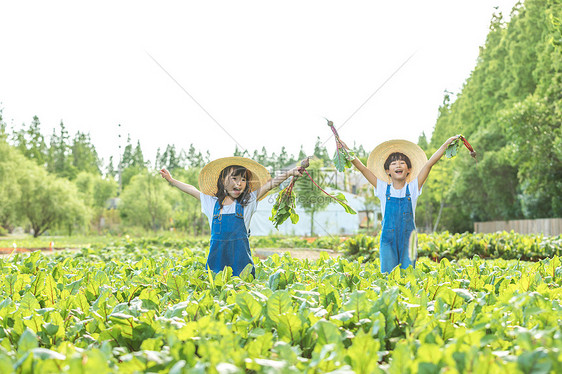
x,y
208,206
380,192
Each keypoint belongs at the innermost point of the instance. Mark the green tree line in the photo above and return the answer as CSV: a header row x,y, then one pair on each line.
x,y
510,110
60,184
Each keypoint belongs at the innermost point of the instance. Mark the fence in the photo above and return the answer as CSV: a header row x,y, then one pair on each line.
x,y
546,226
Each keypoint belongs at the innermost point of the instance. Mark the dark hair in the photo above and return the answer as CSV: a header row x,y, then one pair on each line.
x,y
397,156
237,171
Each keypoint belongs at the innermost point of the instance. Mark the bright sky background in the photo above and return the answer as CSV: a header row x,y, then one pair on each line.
x,y
267,72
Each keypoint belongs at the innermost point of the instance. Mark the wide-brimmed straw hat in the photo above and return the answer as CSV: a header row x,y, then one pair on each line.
x,y
378,156
210,173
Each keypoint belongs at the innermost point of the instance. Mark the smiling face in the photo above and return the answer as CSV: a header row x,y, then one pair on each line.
x,y
398,170
398,166
233,183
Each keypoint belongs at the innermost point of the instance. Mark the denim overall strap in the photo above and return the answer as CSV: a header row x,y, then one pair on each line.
x,y
229,241
398,224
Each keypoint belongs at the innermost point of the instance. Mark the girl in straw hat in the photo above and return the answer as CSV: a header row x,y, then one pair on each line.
x,y
229,190
398,169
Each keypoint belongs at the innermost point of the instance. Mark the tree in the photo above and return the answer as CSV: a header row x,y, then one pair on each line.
x,y
48,202
186,211
11,161
320,152
111,172
59,160
194,158
422,141
84,154
145,202
132,162
95,191
31,143
170,159
534,130
370,201
302,154
3,134
510,109
310,197
262,157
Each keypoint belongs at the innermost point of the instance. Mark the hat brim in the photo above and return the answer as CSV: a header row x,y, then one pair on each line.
x,y
210,173
378,156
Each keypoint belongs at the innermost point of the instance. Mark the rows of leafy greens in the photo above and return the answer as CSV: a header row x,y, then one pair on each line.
x,y
437,246
156,309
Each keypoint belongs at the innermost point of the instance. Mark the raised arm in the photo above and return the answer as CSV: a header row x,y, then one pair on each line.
x,y
368,174
274,182
424,172
187,188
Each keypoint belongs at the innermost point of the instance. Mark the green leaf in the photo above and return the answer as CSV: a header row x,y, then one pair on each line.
x,y
28,304
327,333
250,308
364,353
339,160
176,284
290,325
453,148
278,303
340,199
358,302
294,218
38,284
28,341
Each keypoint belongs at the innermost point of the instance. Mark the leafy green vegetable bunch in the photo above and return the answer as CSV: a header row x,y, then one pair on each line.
x,y
343,156
285,203
452,148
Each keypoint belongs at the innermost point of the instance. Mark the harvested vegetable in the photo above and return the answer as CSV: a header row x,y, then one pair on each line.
x,y
285,203
343,156
452,149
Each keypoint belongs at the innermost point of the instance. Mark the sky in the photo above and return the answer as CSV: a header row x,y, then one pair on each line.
x,y
255,74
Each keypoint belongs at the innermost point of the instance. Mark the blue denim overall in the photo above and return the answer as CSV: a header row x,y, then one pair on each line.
x,y
397,225
229,242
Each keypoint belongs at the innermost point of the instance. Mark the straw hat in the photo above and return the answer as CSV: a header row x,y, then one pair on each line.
x,y
378,156
210,174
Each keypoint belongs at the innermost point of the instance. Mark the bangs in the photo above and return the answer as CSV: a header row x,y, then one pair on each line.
x,y
397,156
239,171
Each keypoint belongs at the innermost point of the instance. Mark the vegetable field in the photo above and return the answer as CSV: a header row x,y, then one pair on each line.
x,y
136,307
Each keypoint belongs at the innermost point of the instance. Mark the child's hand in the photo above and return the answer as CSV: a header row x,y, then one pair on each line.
x,y
450,140
344,145
295,172
166,175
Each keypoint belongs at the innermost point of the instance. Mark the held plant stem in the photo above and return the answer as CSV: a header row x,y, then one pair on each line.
x,y
333,197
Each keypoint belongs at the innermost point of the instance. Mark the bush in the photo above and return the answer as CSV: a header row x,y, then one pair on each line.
x,y
362,246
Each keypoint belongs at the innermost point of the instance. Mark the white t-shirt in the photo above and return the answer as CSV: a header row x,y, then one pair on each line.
x,y
208,206
380,192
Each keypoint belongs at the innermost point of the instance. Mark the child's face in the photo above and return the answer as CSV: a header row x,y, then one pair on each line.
x,y
398,170
235,185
